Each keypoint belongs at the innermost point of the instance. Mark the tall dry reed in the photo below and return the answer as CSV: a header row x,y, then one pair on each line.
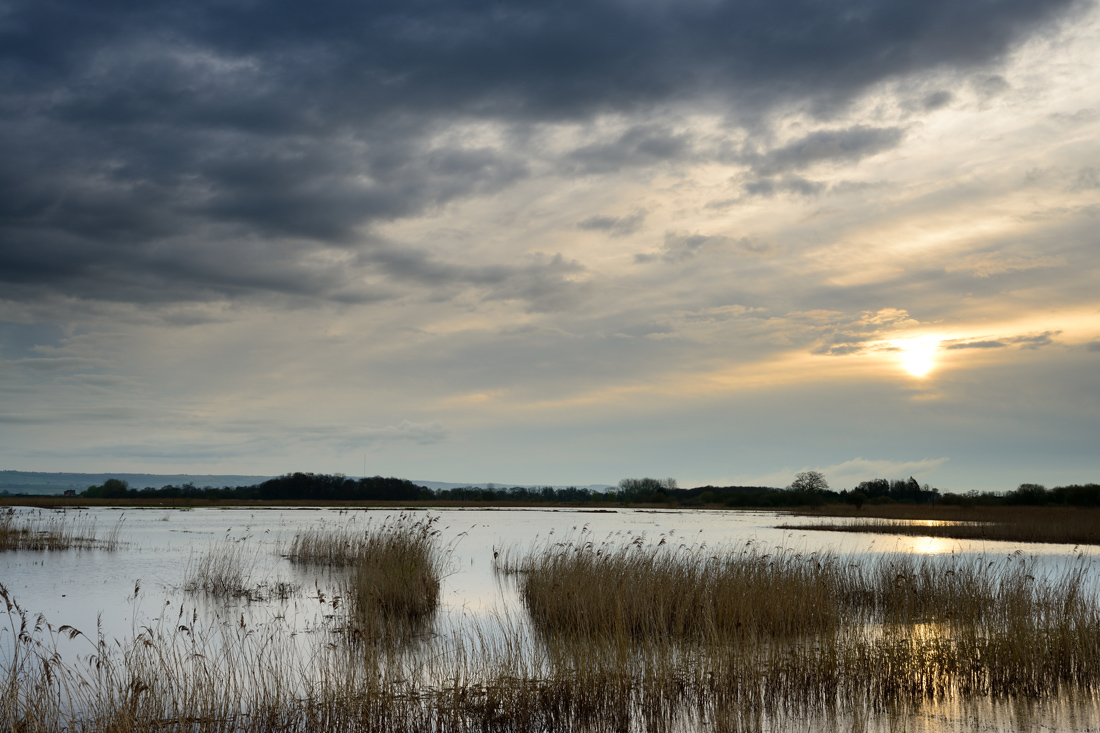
x,y
655,591
54,531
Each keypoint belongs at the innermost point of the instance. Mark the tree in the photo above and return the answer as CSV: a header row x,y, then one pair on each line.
x,y
644,489
809,481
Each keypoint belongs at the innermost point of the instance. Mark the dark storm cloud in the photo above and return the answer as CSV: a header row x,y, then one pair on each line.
x,y
164,151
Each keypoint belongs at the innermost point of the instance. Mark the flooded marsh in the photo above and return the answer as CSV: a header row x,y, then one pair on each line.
x,y
539,621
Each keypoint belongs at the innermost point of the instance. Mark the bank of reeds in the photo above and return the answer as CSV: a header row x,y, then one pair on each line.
x,y
1052,525
651,592
896,624
396,567
54,531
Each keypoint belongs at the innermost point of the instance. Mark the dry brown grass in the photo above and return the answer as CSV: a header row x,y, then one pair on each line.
x,y
648,591
1059,525
54,531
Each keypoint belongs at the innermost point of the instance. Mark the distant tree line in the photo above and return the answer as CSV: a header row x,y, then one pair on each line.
x,y
808,489
290,487
1078,495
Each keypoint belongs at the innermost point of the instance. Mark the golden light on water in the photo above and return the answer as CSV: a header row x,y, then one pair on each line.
x,y
918,356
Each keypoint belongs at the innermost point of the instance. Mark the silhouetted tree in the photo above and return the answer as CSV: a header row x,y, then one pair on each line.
x,y
809,481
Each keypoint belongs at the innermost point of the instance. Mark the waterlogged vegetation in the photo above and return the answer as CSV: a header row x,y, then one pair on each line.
x,y
781,628
228,569
54,531
610,632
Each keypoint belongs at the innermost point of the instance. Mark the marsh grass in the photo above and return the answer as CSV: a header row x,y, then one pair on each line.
x,y
229,569
54,531
654,591
891,636
819,624
396,569
1057,525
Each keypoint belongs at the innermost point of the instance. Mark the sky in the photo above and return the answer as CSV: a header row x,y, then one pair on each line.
x,y
553,242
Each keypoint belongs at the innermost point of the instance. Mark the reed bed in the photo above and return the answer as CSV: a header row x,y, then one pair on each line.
x,y
179,675
54,531
1051,525
396,567
873,637
650,591
898,625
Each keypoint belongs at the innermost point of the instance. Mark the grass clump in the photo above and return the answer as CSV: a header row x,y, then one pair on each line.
x,y
395,567
56,531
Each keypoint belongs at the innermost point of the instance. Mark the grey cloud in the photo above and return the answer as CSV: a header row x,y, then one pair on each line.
x,y
937,100
841,334
681,246
1088,179
1036,341
544,283
1093,346
7,418
991,85
351,436
976,345
54,363
616,226
846,145
788,184
136,139
639,146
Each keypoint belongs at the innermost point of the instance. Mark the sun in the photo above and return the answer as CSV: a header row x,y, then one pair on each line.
x,y
918,356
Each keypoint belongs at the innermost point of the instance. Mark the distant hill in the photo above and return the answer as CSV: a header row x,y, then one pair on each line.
x,y
36,482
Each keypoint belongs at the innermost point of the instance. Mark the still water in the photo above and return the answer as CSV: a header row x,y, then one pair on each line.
x,y
115,593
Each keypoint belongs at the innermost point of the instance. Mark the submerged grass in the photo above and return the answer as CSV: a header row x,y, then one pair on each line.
x,y
1058,525
54,531
228,569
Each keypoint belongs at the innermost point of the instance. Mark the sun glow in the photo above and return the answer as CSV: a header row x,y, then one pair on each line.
x,y
918,356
